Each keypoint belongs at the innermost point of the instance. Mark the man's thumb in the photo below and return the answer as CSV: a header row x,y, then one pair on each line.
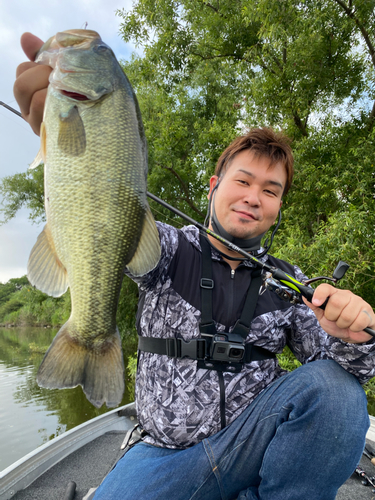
x,y
30,45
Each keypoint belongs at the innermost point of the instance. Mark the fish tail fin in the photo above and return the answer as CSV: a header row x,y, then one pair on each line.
x,y
147,254
98,370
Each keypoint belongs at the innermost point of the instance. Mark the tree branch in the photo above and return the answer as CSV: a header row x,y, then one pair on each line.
x,y
184,188
207,58
284,53
362,28
300,125
371,119
350,12
209,5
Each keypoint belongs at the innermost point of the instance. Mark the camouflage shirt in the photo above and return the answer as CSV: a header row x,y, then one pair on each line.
x,y
179,404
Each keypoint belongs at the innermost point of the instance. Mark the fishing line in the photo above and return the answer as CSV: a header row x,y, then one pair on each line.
x,y
9,108
169,219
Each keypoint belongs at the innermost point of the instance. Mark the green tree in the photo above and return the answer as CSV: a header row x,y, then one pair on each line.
x,y
304,66
289,59
23,190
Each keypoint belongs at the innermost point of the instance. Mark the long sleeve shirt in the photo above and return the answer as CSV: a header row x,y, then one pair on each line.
x,y
178,404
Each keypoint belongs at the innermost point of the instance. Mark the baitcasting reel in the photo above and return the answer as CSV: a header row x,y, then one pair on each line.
x,y
294,295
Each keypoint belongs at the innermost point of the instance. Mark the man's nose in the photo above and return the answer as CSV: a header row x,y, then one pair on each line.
x,y
252,196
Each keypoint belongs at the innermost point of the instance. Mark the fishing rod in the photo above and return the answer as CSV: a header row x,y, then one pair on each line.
x,y
276,280
10,109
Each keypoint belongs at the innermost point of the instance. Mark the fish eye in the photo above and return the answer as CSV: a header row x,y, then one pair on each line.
x,y
101,49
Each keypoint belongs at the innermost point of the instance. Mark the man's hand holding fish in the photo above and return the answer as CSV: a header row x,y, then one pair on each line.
x,y
30,88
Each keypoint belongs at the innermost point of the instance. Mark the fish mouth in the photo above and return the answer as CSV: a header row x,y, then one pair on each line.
x,y
75,95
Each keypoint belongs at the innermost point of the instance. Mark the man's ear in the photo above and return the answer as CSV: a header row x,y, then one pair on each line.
x,y
213,183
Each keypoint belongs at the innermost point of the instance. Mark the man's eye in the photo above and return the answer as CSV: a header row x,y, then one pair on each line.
x,y
270,192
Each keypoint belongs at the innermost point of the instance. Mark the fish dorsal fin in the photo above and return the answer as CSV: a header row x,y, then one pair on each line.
x,y
147,254
72,135
44,269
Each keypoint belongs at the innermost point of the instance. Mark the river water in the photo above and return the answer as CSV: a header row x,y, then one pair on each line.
x,y
30,415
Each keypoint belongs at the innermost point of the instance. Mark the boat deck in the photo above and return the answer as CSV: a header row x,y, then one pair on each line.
x,y
86,465
88,452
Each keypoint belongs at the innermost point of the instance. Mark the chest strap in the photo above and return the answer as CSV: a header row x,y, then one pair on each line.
x,y
197,349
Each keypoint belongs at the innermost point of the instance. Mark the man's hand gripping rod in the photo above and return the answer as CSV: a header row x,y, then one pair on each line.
x,y
276,280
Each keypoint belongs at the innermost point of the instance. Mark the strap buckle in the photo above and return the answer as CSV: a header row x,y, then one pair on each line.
x,y
207,283
178,348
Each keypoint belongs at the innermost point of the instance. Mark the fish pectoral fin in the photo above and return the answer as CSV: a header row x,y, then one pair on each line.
x,y
98,369
37,160
72,135
147,254
44,269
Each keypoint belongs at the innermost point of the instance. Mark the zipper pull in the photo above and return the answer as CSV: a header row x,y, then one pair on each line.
x,y
232,272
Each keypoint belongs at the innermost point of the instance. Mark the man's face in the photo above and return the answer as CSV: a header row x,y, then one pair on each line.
x,y
248,198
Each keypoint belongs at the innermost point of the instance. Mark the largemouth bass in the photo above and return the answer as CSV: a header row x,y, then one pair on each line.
x,y
98,220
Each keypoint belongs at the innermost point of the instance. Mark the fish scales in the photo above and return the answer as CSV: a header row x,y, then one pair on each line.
x,y
98,219
74,197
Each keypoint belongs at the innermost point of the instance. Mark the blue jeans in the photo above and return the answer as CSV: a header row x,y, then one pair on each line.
x,y
302,437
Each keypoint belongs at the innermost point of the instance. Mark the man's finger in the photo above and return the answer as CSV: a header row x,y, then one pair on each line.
x,y
341,306
21,68
35,117
322,293
363,320
29,83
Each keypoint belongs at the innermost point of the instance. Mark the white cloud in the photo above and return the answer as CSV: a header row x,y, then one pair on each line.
x,y
18,144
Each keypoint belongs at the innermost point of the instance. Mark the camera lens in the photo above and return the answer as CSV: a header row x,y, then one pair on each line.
x,y
236,353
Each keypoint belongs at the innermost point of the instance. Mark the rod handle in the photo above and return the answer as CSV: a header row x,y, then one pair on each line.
x,y
306,291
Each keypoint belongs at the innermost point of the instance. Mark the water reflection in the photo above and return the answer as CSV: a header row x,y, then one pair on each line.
x,y
29,414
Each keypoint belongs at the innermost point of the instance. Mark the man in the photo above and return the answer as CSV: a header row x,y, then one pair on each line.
x,y
222,420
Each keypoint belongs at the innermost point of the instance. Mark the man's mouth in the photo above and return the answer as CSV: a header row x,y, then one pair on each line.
x,y
246,215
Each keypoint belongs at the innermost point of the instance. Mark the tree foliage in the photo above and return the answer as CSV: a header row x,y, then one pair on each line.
x,y
23,304
188,123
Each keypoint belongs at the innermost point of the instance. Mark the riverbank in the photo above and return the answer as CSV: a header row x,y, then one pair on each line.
x,y
26,325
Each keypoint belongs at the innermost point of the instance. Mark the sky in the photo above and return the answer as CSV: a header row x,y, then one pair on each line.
x,y
18,144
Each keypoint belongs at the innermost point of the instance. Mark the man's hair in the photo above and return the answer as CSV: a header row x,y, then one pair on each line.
x,y
263,142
